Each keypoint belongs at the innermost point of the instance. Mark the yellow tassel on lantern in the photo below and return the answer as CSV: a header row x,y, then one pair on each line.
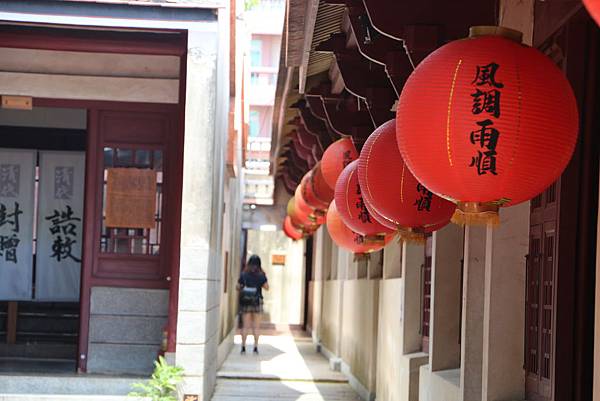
x,y
476,214
411,235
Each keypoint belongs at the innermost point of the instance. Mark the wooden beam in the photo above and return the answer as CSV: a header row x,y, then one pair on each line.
x,y
11,322
80,87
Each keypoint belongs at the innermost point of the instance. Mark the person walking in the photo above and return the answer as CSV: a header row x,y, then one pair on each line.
x,y
250,285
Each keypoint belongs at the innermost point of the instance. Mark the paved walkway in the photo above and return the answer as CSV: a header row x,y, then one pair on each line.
x,y
287,369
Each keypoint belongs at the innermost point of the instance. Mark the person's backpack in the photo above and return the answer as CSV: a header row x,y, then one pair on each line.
x,y
249,296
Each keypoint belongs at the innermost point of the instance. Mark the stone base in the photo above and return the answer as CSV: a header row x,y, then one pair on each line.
x,y
439,386
26,385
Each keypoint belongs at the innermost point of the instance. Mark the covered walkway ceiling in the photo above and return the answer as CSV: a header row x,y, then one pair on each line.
x,y
343,65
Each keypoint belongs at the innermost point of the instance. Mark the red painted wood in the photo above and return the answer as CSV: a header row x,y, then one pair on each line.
x,y
176,218
88,235
90,41
104,105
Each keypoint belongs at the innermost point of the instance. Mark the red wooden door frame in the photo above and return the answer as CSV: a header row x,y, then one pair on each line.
x,y
131,42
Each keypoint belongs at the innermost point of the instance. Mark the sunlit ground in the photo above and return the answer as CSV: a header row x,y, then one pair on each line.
x,y
285,369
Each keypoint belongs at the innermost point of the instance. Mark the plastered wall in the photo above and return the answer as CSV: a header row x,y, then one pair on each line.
x,y
359,327
390,373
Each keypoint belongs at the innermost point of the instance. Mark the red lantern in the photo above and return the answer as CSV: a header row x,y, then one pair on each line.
x,y
486,122
345,238
392,194
315,190
299,218
593,7
317,216
351,205
335,158
291,231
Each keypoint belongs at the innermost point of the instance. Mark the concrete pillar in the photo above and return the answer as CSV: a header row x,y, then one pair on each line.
x,y
200,253
375,269
412,261
519,15
392,262
444,332
319,275
344,262
472,315
504,312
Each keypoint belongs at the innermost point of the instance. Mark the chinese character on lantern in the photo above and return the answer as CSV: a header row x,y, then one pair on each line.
x,y
486,136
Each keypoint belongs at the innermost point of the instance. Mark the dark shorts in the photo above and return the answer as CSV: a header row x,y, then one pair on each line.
x,y
252,308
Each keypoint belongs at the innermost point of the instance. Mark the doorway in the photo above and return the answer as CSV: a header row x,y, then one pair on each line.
x,y
42,174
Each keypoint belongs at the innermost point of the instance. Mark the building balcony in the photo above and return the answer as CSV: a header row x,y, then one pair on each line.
x,y
263,81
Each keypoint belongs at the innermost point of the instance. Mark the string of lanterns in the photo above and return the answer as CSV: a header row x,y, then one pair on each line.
x,y
482,123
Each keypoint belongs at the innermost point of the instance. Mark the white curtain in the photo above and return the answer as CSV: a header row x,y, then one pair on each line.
x,y
17,186
59,227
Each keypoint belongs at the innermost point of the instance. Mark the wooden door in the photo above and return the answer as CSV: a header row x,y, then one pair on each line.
x,y
140,137
540,296
561,265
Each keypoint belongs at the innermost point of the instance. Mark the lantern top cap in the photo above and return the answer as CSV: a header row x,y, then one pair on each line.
x,y
486,30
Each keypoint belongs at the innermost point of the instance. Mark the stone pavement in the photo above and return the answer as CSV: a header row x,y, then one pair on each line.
x,y
287,369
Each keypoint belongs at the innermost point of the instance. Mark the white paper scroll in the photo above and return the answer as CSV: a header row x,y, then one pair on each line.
x,y
17,185
59,228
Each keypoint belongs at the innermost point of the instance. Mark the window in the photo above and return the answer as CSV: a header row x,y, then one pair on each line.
x,y
256,53
426,294
132,241
254,123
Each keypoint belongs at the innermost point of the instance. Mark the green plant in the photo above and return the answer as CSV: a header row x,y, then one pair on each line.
x,y
162,385
250,4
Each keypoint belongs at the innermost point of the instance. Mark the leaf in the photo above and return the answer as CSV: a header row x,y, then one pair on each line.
x,y
162,385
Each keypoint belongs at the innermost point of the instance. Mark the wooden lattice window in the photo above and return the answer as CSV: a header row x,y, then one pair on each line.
x,y
548,307
426,294
540,306
133,241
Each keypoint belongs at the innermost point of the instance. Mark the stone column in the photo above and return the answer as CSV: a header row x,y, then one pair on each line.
x,y
412,261
472,314
444,331
320,261
392,262
200,264
504,312
375,267
344,263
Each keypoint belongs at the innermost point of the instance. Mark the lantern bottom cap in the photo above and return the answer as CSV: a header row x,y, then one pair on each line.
x,y
476,214
411,236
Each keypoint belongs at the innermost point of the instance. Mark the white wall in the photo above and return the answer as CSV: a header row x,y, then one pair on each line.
x,y
284,302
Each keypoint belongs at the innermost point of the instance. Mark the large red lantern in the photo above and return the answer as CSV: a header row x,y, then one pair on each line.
x,y
486,122
392,194
290,230
351,205
335,158
593,7
345,238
